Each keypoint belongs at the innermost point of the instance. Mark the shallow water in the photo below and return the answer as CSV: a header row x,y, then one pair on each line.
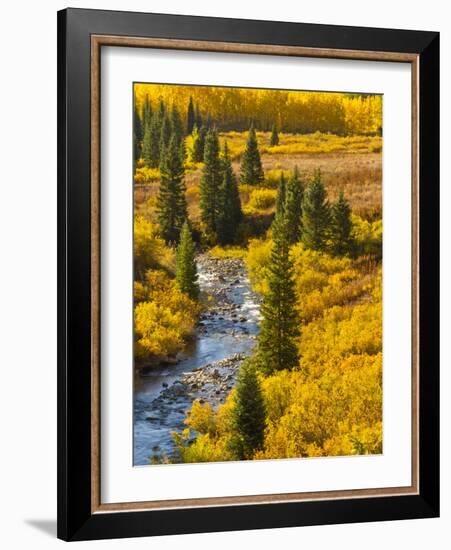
x,y
227,329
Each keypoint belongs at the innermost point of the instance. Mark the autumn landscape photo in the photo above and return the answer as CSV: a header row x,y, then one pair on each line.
x,y
257,274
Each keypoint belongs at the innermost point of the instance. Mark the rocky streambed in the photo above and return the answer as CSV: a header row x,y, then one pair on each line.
x,y
224,337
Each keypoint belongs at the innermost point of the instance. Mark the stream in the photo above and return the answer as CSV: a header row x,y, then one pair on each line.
x,y
225,335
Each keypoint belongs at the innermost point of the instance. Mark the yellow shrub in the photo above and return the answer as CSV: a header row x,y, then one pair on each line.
x,y
214,433
145,175
204,448
368,236
201,418
149,250
257,262
272,177
157,330
164,316
262,199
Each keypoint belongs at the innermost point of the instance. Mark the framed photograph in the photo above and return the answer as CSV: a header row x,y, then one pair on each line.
x,y
248,274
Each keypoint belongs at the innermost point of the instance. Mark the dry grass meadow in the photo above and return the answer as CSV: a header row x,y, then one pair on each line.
x,y
349,164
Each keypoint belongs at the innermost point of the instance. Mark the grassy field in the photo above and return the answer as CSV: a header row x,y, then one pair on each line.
x,y
351,164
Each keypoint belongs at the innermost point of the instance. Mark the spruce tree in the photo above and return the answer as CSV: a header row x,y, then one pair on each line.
x,y
137,134
161,111
198,116
199,143
165,134
274,140
251,166
190,117
146,113
186,269
171,201
341,227
151,143
316,216
293,206
279,330
230,213
281,197
249,413
177,127
210,183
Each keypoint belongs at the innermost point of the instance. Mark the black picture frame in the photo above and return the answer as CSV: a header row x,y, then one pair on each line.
x,y
75,518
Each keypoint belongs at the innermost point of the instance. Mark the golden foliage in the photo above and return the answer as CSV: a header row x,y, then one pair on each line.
x,y
257,262
145,175
149,250
213,433
261,199
337,413
368,236
303,111
164,316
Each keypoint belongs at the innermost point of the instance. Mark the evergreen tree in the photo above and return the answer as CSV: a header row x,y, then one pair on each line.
x,y
171,201
277,346
208,123
251,166
293,206
165,134
151,143
177,127
315,217
161,110
137,134
146,113
210,183
199,120
186,269
230,213
248,414
199,143
281,197
190,117
274,140
341,226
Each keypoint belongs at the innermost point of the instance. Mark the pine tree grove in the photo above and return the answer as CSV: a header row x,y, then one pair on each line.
x,y
186,270
279,330
251,166
316,216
